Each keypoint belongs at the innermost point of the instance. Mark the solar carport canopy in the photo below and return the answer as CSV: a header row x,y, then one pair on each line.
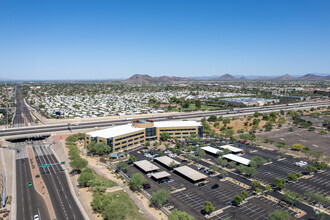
x,y
231,148
211,150
160,175
146,166
190,173
237,159
166,160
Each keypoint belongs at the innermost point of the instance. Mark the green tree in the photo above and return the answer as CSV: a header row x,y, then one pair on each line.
x,y
137,180
115,210
201,152
179,215
132,158
208,207
147,144
269,188
85,178
279,183
258,160
237,200
198,103
244,194
172,165
164,136
78,164
214,168
255,183
298,147
223,173
292,177
310,168
279,215
122,166
160,197
212,118
291,197
226,121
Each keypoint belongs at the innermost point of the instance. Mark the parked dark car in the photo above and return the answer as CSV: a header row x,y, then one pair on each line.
x,y
215,186
161,181
130,162
201,184
146,186
184,161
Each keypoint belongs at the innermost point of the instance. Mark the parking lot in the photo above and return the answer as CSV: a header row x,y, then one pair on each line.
x,y
192,198
255,208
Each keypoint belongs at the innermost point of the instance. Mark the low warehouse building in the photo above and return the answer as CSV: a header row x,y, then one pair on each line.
x,y
190,173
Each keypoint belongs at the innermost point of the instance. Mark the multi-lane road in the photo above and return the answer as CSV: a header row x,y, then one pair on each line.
x,y
57,185
22,113
33,130
29,202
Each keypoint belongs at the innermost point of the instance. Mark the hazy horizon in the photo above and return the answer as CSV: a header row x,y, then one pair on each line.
x,y
88,40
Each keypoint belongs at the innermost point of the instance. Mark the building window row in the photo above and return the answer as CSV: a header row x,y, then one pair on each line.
x,y
186,129
133,135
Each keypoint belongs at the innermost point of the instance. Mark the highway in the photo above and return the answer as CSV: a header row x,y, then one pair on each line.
x,y
54,177
29,202
22,113
106,123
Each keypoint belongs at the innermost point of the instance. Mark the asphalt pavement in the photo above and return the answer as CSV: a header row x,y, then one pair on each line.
x,y
29,201
54,177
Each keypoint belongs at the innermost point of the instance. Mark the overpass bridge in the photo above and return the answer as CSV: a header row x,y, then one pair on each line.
x,y
47,130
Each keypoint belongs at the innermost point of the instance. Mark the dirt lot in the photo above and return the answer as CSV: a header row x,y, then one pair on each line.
x,y
312,139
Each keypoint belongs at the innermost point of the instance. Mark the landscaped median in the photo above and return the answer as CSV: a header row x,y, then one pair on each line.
x,y
38,182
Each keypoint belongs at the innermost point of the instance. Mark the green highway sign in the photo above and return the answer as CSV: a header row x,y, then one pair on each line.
x,y
45,165
63,162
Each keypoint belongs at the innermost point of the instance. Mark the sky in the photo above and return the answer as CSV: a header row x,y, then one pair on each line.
x,y
80,39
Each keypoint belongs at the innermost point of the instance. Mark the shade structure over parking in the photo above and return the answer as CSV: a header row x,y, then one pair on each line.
x,y
232,149
211,150
146,166
237,159
190,173
160,175
165,160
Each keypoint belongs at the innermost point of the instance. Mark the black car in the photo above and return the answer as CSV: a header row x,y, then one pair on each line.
x,y
215,186
146,186
161,181
130,162
184,161
22,160
201,184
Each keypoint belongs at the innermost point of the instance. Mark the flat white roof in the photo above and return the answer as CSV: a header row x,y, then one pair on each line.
x,y
166,160
231,148
146,166
237,159
190,173
159,175
115,131
211,149
170,124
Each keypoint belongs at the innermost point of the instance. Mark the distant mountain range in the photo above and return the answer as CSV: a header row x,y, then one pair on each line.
x,y
138,78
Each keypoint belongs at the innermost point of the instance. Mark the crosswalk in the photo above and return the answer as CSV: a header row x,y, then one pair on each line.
x,y
38,150
21,154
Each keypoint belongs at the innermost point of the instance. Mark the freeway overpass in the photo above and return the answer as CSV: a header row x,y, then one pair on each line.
x,y
48,129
